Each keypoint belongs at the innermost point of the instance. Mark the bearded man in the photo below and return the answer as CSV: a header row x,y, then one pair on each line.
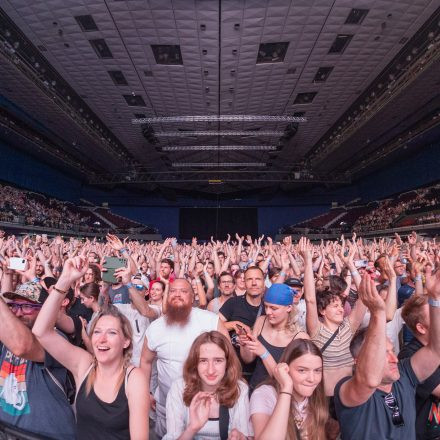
x,y
169,338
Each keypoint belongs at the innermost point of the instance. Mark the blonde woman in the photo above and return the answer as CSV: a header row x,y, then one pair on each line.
x,y
271,334
112,395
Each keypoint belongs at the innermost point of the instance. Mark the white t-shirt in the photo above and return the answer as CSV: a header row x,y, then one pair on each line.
x,y
139,325
301,313
172,344
178,415
393,327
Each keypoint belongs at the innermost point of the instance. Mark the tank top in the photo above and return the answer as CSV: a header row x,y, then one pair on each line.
x,y
96,419
260,372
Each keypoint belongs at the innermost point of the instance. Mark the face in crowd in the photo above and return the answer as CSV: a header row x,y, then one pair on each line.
x,y
254,281
226,285
179,304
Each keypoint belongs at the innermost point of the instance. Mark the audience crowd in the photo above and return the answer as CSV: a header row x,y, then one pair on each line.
x,y
236,339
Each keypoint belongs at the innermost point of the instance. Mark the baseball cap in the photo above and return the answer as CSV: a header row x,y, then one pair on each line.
x,y
293,282
30,291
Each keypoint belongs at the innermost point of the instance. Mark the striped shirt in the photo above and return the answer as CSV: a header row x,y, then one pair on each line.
x,y
337,354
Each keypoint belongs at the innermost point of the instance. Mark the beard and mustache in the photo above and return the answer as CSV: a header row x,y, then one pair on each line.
x,y
178,313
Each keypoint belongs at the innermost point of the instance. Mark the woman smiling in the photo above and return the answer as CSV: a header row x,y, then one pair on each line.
x,y
211,400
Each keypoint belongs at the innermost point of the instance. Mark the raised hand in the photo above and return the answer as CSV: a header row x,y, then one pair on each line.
x,y
74,269
369,295
282,376
114,242
432,282
124,273
305,248
199,410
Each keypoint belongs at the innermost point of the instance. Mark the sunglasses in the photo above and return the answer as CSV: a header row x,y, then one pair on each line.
x,y
396,416
26,308
138,286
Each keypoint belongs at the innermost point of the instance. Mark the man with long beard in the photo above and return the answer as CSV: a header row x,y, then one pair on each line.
x,y
169,338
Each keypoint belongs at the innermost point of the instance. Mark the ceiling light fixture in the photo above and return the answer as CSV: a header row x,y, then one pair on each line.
x,y
217,164
221,118
219,133
221,148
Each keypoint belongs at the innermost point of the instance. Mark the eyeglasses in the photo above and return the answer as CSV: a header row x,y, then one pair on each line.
x,y
26,308
396,416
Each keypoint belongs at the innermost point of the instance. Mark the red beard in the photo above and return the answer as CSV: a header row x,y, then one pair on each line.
x,y
178,314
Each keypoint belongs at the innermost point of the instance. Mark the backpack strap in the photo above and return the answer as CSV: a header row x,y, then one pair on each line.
x,y
224,422
330,340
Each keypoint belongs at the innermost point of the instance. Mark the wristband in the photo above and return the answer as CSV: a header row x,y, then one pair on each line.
x,y
285,392
354,272
35,280
418,278
129,285
433,302
122,250
61,292
282,274
264,355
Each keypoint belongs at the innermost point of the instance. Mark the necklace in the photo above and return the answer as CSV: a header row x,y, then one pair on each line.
x,y
299,412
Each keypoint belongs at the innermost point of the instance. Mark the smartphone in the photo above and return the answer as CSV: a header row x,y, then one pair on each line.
x,y
360,263
243,331
17,263
112,263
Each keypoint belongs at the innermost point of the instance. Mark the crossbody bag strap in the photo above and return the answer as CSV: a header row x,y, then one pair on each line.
x,y
330,340
224,422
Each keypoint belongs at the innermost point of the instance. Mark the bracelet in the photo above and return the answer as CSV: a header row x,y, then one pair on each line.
x,y
122,250
35,280
282,274
433,302
129,285
61,292
418,278
264,355
354,272
285,392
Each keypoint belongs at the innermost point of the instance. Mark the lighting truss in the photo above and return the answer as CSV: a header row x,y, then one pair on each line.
x,y
219,133
221,118
217,164
221,148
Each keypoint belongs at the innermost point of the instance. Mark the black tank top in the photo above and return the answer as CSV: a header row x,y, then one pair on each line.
x,y
260,372
96,419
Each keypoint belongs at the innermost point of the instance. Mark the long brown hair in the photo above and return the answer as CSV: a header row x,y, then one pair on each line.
x,y
228,390
127,352
317,408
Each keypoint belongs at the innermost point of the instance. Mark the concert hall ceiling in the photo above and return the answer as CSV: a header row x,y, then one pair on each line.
x,y
219,96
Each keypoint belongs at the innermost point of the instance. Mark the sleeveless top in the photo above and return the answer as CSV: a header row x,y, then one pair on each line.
x,y
260,372
96,419
337,354
216,305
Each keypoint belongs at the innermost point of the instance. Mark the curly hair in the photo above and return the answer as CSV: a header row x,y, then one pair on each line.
x,y
325,298
317,408
126,353
228,390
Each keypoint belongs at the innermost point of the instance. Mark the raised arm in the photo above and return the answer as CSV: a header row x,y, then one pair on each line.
x,y
73,358
371,359
425,361
312,321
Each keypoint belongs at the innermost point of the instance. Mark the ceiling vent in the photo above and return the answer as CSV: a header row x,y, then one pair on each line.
x,y
356,16
322,74
86,23
340,43
305,98
167,54
100,47
134,100
272,52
